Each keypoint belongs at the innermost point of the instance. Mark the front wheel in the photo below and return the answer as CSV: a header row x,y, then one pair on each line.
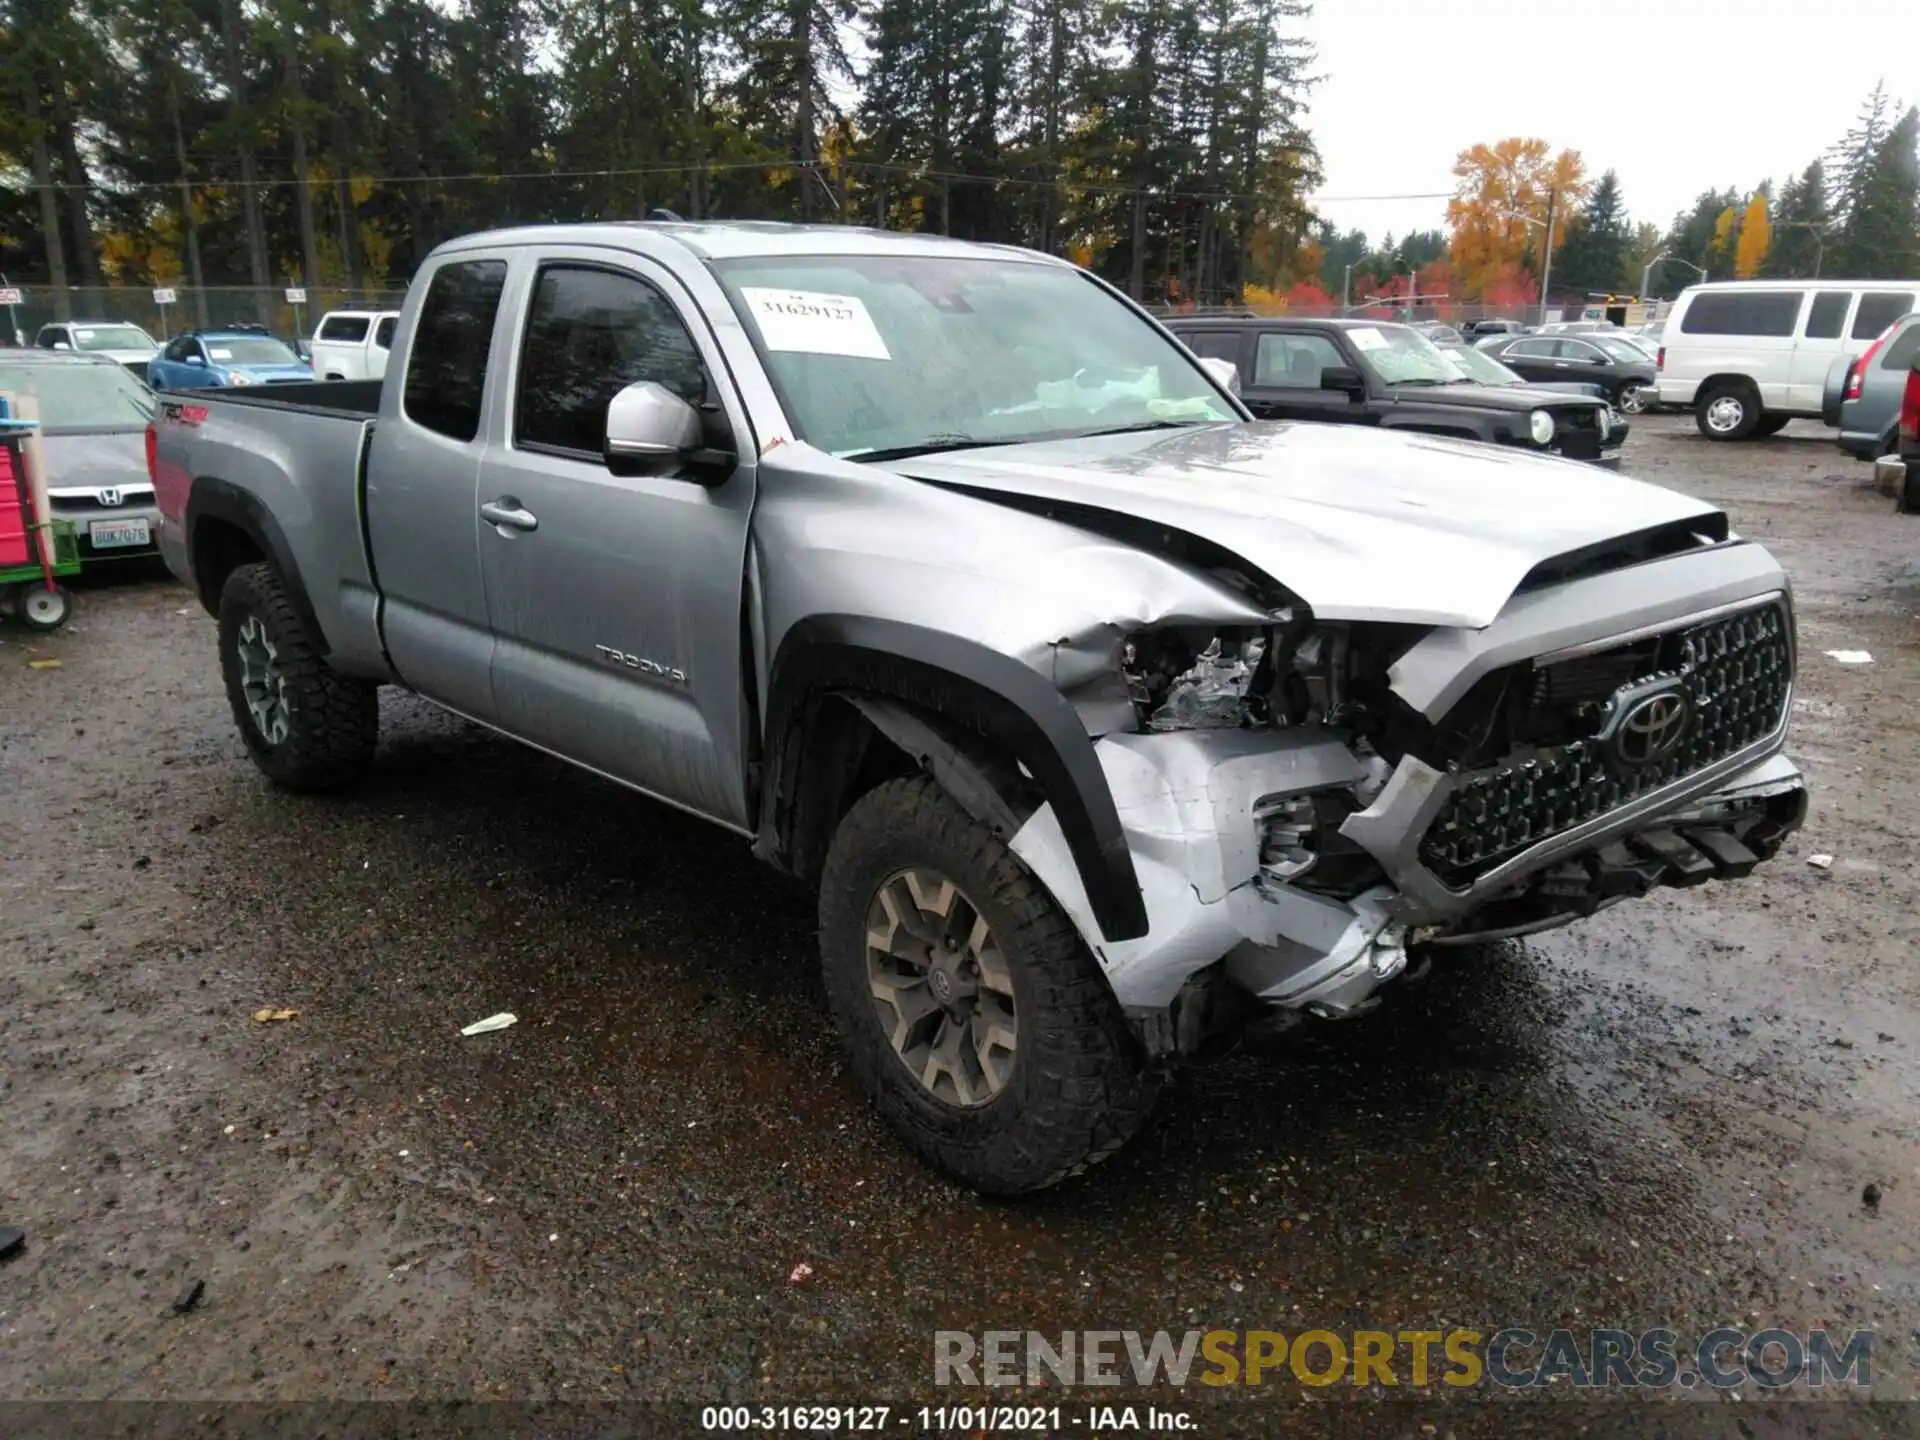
x,y
1771,425
1632,399
306,726
974,1017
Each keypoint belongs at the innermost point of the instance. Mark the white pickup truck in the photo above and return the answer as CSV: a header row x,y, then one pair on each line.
x,y
354,344
1104,718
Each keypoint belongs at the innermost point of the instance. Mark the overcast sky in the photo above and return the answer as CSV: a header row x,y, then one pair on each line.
x,y
1678,96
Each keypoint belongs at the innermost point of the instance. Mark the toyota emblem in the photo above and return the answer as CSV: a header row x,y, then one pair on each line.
x,y
1652,728
109,497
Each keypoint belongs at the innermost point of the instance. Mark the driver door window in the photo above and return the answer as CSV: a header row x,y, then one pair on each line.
x,y
1294,361
590,334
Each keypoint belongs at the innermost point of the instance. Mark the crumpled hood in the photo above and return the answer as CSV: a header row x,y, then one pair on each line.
x,y
1360,524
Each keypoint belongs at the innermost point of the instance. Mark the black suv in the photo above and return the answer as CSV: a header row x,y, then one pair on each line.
x,y
1368,372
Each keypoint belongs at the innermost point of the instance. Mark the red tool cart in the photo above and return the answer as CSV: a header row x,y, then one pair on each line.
x,y
34,552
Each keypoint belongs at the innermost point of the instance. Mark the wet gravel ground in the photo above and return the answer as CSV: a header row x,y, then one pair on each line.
x,y
1666,1117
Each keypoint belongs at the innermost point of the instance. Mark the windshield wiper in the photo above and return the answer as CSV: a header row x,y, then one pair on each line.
x,y
932,445
1143,425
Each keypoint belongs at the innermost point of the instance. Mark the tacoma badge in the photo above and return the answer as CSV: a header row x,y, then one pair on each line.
x,y
642,664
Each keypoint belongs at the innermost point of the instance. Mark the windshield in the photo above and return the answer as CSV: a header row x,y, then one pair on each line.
x,y
81,397
249,350
875,353
1623,350
1400,356
1482,368
111,337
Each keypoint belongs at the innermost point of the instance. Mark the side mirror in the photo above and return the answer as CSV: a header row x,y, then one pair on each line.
x,y
196,360
61,345
1601,359
1345,378
1224,371
652,431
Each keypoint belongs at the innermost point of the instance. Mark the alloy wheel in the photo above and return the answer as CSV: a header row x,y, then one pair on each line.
x,y
941,987
263,682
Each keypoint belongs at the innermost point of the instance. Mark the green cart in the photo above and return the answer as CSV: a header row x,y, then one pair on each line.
x,y
41,602
33,555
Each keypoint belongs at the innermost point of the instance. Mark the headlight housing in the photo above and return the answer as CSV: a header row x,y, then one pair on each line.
x,y
1541,425
234,377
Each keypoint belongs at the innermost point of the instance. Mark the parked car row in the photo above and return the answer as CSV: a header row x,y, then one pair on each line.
x,y
1364,372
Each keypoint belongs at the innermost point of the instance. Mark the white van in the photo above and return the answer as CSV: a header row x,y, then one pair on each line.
x,y
353,344
1746,356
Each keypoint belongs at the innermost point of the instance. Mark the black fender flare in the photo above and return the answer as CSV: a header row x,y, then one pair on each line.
x,y
976,689
215,499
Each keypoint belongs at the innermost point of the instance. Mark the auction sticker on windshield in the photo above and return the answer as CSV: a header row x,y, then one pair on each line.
x,y
1367,338
815,322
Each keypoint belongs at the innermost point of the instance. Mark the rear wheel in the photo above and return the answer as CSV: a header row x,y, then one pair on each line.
x,y
307,727
973,1016
1908,502
1631,399
1727,412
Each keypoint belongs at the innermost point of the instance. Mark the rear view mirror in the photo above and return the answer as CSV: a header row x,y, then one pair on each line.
x,y
1222,370
652,431
1344,378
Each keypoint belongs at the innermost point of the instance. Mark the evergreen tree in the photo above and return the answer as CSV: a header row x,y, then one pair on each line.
x,y
1596,259
1879,233
1801,227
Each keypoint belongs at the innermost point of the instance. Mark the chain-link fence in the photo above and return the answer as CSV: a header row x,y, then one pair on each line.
x,y
209,307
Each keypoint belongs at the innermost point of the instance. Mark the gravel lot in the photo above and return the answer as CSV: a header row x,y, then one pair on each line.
x,y
1664,1118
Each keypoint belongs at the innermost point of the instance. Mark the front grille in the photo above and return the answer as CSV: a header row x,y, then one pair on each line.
x,y
1736,671
142,496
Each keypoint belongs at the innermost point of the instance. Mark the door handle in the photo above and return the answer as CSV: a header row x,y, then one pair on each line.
x,y
506,511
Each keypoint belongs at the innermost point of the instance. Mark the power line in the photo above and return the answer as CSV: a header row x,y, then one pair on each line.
x,y
907,170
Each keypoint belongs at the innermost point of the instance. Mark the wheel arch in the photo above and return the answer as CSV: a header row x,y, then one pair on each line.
x,y
227,527
1723,380
988,727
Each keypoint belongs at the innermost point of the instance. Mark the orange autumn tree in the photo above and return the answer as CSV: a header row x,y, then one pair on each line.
x,y
1494,183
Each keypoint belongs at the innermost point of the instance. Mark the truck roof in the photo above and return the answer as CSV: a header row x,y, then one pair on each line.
x,y
728,239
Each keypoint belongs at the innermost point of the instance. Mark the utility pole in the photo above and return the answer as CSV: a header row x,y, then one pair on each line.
x,y
1346,290
1546,264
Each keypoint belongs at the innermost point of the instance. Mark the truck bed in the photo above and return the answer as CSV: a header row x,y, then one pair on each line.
x,y
359,399
294,453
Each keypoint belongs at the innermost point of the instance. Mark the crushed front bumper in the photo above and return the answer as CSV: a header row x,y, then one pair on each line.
x,y
1188,802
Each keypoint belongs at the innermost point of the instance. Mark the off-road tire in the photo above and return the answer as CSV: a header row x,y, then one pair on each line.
x,y
1748,399
333,720
1908,500
1079,1087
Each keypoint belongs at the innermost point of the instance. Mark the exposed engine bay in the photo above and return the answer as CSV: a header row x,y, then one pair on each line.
x,y
1384,829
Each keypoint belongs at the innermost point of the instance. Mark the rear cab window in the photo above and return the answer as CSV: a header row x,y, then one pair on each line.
x,y
447,365
1213,344
383,332
1757,313
349,329
1879,309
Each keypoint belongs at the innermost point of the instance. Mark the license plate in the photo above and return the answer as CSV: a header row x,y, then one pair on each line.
x,y
109,534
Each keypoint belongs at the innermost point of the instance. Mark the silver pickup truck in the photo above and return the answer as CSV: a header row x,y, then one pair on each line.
x,y
1107,720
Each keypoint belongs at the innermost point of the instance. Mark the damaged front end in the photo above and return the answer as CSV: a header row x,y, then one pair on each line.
x,y
1308,800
